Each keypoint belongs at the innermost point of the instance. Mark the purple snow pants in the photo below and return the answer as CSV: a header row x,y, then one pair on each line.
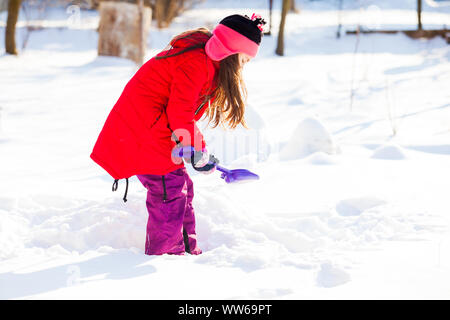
x,y
171,221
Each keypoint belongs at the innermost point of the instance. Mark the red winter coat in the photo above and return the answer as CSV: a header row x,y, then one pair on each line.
x,y
163,95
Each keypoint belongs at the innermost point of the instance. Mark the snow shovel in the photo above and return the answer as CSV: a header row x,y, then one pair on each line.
x,y
230,176
236,175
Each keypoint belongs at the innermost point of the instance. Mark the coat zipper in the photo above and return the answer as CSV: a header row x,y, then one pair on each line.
x,y
164,188
156,120
201,106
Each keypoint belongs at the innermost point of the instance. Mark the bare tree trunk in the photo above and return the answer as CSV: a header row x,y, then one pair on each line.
x,y
140,58
338,32
159,12
293,7
270,18
165,11
10,32
419,14
280,46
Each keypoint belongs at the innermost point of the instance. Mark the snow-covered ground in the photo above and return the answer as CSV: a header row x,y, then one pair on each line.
x,y
344,208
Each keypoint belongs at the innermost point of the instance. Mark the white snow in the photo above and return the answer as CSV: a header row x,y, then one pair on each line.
x,y
354,207
331,276
343,208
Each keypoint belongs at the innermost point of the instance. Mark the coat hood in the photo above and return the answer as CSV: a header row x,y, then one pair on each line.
x,y
190,39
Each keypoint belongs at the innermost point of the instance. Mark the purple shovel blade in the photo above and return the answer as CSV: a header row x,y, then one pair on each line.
x,y
236,175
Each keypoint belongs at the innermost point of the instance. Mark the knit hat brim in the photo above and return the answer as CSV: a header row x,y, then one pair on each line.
x,y
226,42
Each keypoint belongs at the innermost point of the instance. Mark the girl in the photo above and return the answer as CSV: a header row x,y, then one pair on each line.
x,y
200,73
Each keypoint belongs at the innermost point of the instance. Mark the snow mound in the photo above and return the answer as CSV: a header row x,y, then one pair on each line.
x,y
356,206
389,152
309,137
320,158
332,276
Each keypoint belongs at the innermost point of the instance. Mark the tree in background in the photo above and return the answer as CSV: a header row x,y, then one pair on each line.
x,y
164,11
280,46
10,32
123,29
142,33
294,8
3,5
419,14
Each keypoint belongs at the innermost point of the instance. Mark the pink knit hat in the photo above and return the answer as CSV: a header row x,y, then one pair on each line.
x,y
235,34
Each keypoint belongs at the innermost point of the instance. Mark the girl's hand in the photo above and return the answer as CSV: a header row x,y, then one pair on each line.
x,y
203,162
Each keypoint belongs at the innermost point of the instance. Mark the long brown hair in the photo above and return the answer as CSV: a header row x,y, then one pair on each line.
x,y
228,107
